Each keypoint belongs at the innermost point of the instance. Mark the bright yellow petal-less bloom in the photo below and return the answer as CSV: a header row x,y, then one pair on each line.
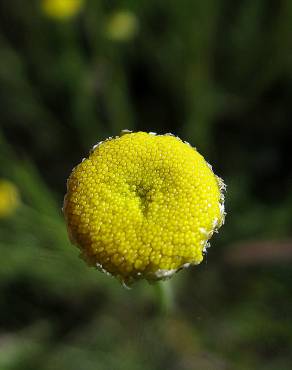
x,y
9,198
143,206
61,9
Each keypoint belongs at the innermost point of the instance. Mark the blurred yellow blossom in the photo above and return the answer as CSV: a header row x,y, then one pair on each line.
x,y
143,206
61,9
121,26
9,198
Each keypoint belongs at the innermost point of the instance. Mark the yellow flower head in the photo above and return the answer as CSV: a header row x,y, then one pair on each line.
x,y
61,9
9,198
143,206
121,26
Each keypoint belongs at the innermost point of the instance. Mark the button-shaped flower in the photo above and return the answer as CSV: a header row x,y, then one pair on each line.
x,y
121,26
143,206
9,198
61,9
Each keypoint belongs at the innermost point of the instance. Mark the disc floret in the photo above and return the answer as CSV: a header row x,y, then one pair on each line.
x,y
143,206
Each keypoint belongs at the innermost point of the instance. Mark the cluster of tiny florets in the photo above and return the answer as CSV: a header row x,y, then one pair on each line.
x,y
143,206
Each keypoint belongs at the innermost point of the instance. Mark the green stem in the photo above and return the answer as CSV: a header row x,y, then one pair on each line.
x,y
165,296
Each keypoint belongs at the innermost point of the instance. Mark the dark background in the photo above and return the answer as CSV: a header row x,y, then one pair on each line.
x,y
217,73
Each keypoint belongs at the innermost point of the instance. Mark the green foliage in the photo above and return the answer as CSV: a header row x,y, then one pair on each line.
x,y
218,74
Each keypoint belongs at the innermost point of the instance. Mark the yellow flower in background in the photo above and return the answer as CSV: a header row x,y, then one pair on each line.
x,y
121,26
9,198
61,9
143,206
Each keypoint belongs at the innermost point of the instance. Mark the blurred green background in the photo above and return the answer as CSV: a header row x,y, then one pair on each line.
x,y
218,73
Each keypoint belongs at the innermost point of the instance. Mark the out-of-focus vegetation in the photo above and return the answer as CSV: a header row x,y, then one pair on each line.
x,y
216,73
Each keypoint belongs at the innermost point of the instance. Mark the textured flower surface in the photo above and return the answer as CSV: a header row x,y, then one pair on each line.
x,y
143,206
61,9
